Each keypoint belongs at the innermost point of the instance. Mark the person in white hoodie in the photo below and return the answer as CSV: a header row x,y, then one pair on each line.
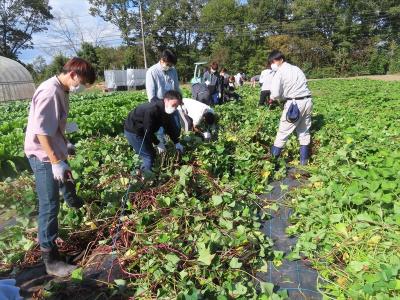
x,y
266,78
195,114
290,83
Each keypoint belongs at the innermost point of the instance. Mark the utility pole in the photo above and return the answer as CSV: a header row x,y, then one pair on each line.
x,y
141,26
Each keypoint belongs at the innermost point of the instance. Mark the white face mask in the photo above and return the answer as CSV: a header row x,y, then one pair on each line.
x,y
170,109
165,67
77,89
274,67
213,71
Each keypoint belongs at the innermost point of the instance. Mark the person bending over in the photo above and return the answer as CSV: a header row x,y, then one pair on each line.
x,y
196,115
143,123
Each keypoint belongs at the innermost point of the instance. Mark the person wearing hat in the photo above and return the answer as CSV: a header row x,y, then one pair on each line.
x,y
290,83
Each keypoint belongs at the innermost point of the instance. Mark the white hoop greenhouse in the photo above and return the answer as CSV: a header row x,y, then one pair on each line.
x,y
16,82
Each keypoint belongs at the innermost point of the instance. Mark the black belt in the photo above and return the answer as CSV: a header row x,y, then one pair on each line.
x,y
298,98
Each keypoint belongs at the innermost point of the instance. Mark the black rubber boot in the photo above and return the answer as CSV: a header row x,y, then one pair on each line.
x,y
54,265
276,152
304,155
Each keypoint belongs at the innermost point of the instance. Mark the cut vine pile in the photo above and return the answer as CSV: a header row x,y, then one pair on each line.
x,y
193,231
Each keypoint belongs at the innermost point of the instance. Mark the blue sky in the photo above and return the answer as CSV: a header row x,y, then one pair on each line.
x,y
91,29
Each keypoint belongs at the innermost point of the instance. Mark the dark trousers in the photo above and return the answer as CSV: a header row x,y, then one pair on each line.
x,y
264,97
213,95
143,148
215,99
228,96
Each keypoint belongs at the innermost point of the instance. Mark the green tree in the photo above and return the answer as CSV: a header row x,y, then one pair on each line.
x,y
225,34
39,64
117,58
88,52
324,37
174,24
122,13
130,57
56,66
19,20
394,54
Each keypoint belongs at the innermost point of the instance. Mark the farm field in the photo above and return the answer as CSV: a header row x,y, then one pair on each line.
x,y
195,233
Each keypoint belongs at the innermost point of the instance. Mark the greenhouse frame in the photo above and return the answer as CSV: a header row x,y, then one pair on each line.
x,y
16,83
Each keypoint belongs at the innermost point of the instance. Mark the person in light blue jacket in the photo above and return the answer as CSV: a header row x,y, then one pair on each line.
x,y
9,290
162,77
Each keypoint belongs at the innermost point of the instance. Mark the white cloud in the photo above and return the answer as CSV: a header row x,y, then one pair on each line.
x,y
74,16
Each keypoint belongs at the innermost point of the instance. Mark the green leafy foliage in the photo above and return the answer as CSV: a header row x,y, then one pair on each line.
x,y
200,232
349,213
96,115
196,234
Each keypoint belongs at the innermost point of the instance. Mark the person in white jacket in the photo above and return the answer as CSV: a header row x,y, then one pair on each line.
x,y
290,84
266,78
194,113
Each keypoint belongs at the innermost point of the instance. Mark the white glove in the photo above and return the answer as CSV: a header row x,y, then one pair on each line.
x,y
207,82
207,135
179,147
8,290
59,170
219,95
161,148
71,148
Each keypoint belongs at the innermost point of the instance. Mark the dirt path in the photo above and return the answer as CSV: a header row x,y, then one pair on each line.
x,y
390,77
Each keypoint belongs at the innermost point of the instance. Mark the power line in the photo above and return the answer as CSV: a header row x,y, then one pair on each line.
x,y
67,45
364,13
211,29
288,22
206,29
289,18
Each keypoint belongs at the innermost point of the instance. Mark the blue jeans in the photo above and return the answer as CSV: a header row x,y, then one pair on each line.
x,y
48,191
147,152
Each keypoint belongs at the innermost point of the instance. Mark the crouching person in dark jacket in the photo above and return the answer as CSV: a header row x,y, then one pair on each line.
x,y
144,121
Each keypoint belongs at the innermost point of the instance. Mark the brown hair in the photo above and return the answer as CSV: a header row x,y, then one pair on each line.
x,y
214,65
82,68
231,78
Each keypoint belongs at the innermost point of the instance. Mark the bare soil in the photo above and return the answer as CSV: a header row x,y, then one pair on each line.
x,y
390,77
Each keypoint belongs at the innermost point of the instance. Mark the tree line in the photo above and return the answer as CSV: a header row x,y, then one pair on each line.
x,y
326,38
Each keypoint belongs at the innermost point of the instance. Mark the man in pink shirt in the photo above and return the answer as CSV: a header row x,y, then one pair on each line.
x,y
46,148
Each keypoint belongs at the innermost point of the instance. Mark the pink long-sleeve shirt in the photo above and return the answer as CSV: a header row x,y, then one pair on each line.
x,y
47,116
